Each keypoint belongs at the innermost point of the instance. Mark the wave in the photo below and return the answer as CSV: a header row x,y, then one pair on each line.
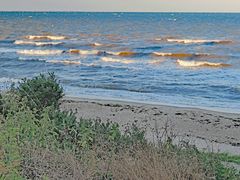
x,y
67,62
32,37
200,64
154,62
123,53
97,52
199,41
180,55
164,38
150,48
97,44
20,42
101,45
30,59
86,52
8,80
71,62
176,55
114,60
40,52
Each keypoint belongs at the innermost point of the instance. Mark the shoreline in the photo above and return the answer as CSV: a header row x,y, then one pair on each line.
x,y
125,101
207,130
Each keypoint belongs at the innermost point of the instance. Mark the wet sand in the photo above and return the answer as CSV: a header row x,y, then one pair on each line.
x,y
208,130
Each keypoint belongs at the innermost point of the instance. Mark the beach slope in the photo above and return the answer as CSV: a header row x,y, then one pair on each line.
x,y
208,130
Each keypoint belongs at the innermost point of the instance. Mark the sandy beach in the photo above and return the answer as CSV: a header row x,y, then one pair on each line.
x,y
208,130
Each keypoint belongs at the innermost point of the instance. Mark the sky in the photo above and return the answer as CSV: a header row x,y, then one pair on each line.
x,y
122,5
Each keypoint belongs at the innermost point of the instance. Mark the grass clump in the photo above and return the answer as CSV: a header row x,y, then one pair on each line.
x,y
229,158
38,141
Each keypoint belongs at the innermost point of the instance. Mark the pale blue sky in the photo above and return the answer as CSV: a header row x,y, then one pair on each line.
x,y
122,5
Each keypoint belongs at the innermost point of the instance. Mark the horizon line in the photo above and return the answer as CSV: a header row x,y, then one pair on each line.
x,y
44,11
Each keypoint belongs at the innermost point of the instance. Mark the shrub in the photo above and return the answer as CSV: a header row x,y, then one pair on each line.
x,y
41,91
1,103
49,143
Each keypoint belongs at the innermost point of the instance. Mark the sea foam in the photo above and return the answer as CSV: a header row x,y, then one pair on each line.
x,y
123,53
200,64
155,62
21,42
198,41
8,80
33,37
180,55
85,52
114,60
40,52
67,62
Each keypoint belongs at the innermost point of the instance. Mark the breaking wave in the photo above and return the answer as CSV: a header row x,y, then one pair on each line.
x,y
198,41
8,80
123,53
40,52
97,44
86,52
20,42
180,55
200,64
101,45
67,62
155,62
114,60
32,37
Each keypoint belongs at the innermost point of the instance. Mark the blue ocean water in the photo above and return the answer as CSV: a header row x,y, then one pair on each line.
x,y
183,59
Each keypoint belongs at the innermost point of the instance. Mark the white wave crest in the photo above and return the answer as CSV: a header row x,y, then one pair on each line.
x,y
40,52
33,37
114,60
122,53
157,61
67,62
198,41
97,44
8,80
20,42
200,64
162,54
181,55
85,52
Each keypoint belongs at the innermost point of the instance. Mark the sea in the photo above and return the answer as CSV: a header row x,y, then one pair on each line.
x,y
179,59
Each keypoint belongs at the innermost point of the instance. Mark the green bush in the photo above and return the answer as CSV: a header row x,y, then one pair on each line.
x,y
35,134
41,91
85,133
1,104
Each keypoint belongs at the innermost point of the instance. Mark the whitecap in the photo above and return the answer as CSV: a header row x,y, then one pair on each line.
x,y
198,41
154,62
181,55
85,52
21,42
101,45
33,37
40,52
200,64
66,62
8,80
114,60
122,53
97,44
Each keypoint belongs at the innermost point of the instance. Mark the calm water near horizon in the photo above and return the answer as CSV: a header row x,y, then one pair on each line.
x,y
182,59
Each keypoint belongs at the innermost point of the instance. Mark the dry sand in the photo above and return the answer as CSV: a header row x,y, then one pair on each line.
x,y
208,130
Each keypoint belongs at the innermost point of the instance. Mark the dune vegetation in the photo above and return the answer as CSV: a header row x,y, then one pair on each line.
x,y
39,141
